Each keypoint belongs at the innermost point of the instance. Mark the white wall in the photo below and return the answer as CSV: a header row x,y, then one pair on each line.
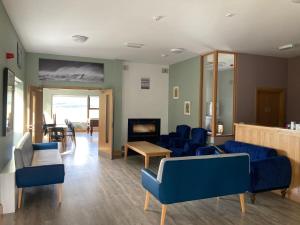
x,y
138,103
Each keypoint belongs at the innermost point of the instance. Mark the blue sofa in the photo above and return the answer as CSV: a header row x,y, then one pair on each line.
x,y
269,171
182,134
188,147
197,177
38,164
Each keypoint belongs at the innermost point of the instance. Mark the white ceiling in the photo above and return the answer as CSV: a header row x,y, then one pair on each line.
x,y
199,26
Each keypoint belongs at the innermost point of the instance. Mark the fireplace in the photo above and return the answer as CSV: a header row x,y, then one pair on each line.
x,y
143,130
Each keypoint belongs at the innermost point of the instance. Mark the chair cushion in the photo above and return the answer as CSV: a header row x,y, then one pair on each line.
x,y
26,149
256,152
46,157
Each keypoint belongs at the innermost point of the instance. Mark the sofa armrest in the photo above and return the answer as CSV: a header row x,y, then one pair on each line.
x,y
270,174
208,150
150,183
40,175
44,146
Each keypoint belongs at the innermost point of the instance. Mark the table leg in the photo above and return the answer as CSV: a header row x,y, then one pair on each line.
x,y
146,162
92,128
125,151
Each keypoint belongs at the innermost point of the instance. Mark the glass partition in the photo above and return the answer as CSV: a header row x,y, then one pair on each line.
x,y
218,78
225,96
207,110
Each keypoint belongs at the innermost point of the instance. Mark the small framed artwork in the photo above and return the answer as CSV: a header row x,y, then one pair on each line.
x,y
175,92
145,83
19,55
8,101
187,108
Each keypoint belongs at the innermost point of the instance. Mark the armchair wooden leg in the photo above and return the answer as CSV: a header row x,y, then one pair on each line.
x,y
147,200
253,198
242,201
59,193
283,193
163,214
20,192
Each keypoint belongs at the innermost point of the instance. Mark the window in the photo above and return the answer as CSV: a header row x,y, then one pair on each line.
x,y
93,110
73,108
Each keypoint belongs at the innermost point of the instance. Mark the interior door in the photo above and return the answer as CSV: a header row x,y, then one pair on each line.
x,y
270,107
106,122
35,114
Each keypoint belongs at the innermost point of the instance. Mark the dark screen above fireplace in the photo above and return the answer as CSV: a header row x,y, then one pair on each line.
x,y
143,130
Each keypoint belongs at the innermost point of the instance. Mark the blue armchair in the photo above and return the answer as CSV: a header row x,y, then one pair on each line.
x,y
179,179
188,147
38,164
182,134
268,170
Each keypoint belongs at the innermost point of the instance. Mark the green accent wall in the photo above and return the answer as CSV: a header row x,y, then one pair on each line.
x,y
186,75
112,80
8,43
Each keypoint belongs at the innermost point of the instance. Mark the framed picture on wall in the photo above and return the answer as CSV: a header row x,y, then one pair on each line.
x,y
8,101
19,55
187,108
176,92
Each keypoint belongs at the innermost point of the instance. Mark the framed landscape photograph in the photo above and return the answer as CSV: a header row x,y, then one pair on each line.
x,y
187,108
61,70
176,92
8,101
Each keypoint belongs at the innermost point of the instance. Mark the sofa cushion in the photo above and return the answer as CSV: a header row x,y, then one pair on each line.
x,y
255,152
46,157
25,148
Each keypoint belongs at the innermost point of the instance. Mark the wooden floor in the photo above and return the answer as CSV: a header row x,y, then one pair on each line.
x,y
104,192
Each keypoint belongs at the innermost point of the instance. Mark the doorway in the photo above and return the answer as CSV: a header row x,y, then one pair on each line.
x,y
54,105
270,107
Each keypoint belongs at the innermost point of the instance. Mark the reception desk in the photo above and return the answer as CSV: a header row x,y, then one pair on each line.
x,y
286,142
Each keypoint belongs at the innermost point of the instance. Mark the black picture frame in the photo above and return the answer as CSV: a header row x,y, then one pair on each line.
x,y
8,101
19,55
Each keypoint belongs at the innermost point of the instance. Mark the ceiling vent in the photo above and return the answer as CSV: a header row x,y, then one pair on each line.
x,y
133,45
286,47
177,50
80,38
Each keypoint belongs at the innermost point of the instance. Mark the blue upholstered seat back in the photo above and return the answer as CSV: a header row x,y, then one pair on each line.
x,y
24,151
199,136
183,131
255,152
200,177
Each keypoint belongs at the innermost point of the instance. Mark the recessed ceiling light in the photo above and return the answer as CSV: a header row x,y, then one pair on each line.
x,y
229,14
80,38
157,18
177,50
296,1
286,47
164,55
133,45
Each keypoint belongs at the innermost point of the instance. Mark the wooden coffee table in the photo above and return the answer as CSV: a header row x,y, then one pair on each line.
x,y
146,149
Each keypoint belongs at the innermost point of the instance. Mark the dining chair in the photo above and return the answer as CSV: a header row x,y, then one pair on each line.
x,y
71,131
57,134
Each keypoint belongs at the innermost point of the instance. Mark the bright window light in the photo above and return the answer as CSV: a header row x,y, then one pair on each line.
x,y
73,108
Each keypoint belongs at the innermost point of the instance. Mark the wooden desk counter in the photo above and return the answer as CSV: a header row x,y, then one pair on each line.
x,y
285,141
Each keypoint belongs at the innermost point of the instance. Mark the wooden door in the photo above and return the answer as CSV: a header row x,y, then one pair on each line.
x,y
270,107
106,123
35,114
